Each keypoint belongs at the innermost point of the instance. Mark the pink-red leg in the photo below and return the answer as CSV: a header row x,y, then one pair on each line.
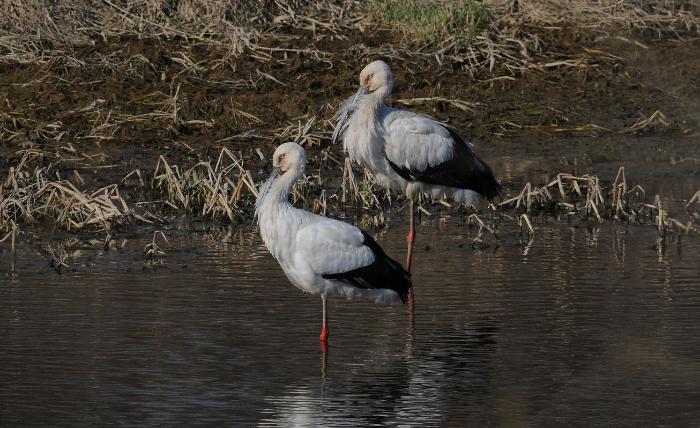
x,y
410,239
324,326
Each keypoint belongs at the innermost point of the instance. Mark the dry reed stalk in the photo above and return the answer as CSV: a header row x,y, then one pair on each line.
x,y
321,204
584,195
14,247
152,249
362,192
137,173
207,190
12,236
475,219
617,192
693,200
525,220
304,135
349,184
656,120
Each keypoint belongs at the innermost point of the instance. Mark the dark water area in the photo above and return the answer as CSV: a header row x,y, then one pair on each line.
x,y
579,327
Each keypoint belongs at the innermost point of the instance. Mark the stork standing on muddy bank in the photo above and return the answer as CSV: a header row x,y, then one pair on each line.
x,y
409,152
320,255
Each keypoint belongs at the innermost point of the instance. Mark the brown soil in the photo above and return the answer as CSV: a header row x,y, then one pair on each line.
x,y
520,125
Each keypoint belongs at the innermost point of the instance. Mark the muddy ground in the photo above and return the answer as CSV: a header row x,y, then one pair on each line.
x,y
131,100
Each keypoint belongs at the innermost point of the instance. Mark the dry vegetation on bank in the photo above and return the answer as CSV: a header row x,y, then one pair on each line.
x,y
85,84
38,31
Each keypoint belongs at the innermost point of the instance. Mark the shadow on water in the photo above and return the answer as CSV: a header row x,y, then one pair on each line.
x,y
591,326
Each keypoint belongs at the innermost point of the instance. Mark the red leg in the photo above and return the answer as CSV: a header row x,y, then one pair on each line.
x,y
411,237
323,341
324,329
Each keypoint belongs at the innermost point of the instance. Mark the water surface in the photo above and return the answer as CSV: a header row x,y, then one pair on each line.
x,y
581,326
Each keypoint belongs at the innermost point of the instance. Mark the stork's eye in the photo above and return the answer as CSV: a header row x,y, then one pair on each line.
x,y
280,158
370,77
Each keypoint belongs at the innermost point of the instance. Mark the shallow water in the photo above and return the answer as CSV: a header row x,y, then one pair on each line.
x,y
579,327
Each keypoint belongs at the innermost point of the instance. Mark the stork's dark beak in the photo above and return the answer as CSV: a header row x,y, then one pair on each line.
x,y
360,92
276,172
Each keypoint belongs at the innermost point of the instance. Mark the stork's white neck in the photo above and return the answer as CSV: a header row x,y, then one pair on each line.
x,y
277,218
277,189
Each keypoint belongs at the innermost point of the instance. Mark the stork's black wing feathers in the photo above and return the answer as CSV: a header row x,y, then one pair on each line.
x,y
463,171
383,272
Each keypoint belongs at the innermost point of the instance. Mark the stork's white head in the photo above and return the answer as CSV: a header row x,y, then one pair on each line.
x,y
289,161
289,157
377,77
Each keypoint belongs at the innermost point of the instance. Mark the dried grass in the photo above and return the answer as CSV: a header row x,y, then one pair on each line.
x,y
362,192
506,34
207,189
475,34
57,27
586,197
657,121
632,15
302,132
30,195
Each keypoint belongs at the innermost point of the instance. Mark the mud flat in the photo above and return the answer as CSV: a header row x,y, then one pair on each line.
x,y
128,121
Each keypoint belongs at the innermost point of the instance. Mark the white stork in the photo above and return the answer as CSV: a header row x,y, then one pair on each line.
x,y
407,151
320,255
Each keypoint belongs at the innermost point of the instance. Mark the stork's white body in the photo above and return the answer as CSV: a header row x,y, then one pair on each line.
x,y
407,151
320,255
308,245
377,133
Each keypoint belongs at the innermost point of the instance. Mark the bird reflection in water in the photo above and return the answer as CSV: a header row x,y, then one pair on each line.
x,y
440,372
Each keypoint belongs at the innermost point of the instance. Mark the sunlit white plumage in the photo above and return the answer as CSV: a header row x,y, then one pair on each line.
x,y
408,151
320,255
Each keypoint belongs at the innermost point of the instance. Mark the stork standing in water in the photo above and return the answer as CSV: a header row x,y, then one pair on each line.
x,y
409,152
320,255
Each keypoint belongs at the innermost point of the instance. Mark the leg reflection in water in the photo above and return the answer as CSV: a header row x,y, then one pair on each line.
x,y
443,375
